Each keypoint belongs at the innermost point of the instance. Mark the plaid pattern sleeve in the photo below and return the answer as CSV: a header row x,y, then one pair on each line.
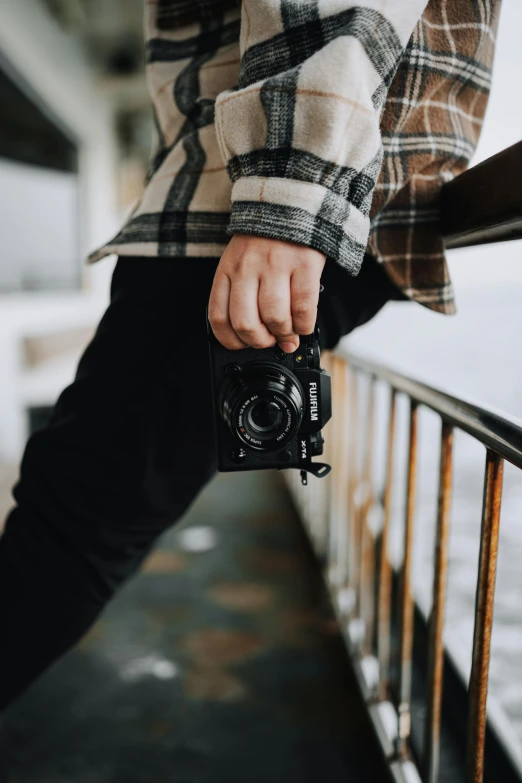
x,y
300,135
338,124
430,127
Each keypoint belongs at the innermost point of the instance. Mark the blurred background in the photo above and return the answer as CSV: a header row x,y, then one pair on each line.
x,y
75,138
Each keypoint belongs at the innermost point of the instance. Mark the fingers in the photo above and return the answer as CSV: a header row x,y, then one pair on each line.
x,y
304,286
244,313
218,313
265,291
275,310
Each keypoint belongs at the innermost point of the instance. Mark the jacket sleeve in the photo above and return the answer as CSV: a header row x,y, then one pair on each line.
x,y
300,134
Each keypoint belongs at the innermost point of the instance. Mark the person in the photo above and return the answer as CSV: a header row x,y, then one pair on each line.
x,y
299,142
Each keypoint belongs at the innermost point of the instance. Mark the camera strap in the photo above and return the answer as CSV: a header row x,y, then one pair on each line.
x,y
317,469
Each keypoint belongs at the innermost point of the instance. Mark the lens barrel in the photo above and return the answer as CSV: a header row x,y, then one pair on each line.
x,y
263,405
265,416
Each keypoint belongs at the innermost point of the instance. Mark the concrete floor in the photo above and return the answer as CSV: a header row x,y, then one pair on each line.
x,y
220,663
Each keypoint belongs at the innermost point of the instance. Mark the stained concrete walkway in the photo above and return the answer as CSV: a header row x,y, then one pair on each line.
x,y
220,663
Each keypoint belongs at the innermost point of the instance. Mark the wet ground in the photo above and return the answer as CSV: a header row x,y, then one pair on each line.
x,y
220,663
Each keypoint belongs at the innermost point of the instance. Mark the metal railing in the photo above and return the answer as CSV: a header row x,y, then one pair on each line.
x,y
374,601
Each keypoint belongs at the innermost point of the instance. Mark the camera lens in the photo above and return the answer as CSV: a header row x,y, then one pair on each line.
x,y
263,405
265,416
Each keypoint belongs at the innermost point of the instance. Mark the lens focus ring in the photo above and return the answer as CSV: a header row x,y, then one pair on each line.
x,y
263,406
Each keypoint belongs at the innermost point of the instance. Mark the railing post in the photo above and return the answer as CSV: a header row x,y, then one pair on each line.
x,y
353,484
320,528
338,539
406,595
487,570
367,551
385,569
436,647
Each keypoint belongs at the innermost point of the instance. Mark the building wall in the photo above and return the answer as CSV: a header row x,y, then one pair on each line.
x,y
37,53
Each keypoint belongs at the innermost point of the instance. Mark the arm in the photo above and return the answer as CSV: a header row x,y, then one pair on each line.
x,y
301,140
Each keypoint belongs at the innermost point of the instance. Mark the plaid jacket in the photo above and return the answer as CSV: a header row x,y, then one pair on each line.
x,y
323,122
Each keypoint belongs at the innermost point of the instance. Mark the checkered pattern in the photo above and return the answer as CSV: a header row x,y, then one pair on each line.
x,y
322,122
174,13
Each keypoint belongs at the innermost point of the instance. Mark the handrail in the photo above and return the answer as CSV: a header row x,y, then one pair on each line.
x,y
373,598
484,203
499,432
374,602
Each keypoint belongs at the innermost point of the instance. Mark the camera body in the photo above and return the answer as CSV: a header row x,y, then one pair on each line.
x,y
270,407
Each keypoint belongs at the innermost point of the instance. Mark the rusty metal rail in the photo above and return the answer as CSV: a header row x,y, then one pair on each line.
x,y
374,600
484,203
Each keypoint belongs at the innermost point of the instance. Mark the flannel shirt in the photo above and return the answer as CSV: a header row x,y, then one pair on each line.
x,y
328,123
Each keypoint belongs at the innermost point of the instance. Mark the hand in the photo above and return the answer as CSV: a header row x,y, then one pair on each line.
x,y
265,291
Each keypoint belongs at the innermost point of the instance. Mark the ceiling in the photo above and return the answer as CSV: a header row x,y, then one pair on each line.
x,y
27,135
110,33
109,30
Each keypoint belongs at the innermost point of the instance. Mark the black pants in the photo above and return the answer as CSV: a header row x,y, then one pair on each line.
x,y
122,458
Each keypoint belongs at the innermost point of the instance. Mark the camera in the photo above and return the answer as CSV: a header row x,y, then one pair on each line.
x,y
270,407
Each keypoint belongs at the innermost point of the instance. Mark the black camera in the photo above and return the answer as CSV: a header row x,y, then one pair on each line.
x,y
270,407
